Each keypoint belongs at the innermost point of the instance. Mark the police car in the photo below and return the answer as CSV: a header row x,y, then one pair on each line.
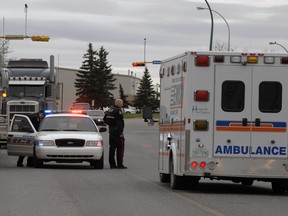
x,y
71,138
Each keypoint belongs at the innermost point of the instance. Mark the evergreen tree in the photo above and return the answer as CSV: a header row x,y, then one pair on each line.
x,y
96,80
145,95
106,80
123,96
82,81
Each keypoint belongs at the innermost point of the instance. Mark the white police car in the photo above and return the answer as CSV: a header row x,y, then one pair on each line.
x,y
71,138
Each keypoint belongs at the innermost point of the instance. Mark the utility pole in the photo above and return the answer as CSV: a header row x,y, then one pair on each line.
x,y
25,11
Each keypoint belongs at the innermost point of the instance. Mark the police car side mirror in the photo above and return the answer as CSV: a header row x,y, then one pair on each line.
x,y
102,129
170,136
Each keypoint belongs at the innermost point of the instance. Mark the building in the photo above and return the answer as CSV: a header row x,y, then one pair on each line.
x,y
66,78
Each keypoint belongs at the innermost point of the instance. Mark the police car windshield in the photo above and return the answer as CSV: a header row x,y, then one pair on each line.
x,y
67,123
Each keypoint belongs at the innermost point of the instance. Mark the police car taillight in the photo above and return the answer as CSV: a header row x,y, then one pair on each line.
x,y
201,95
202,61
200,125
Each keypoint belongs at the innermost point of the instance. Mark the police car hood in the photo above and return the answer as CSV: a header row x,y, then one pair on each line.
x,y
53,135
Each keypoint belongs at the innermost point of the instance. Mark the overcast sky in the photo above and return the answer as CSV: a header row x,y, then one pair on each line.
x,y
170,27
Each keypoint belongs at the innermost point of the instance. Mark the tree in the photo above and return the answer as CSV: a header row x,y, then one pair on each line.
x,y
4,49
145,95
122,95
95,80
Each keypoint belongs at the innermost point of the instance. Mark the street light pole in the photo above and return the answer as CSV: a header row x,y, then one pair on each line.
x,y
212,26
275,43
25,11
201,8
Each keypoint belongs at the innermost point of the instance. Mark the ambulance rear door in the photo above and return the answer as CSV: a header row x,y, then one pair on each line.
x,y
269,112
232,110
250,111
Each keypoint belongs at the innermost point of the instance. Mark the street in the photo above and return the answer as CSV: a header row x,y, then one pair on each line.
x,y
77,189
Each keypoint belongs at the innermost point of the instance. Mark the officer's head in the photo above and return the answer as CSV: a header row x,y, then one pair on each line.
x,y
41,114
119,103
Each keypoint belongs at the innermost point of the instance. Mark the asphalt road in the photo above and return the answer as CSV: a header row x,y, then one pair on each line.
x,y
78,190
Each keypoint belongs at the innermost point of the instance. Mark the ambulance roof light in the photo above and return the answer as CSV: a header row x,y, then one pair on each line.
x,y
235,59
269,59
252,59
219,59
284,60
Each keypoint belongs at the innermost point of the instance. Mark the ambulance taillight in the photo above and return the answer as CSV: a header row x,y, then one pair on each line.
x,y
200,125
202,165
201,95
194,165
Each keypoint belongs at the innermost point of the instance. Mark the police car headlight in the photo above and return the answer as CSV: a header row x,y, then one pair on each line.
x,y
46,143
94,143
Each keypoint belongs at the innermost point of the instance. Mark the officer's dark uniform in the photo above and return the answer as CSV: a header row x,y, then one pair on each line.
x,y
116,139
35,119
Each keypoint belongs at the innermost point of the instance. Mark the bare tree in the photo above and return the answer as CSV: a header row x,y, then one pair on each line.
x,y
4,49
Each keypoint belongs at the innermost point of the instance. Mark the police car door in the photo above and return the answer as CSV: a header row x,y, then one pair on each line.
x,y
269,112
232,111
20,139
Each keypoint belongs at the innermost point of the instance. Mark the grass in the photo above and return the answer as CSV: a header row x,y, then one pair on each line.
x,y
139,115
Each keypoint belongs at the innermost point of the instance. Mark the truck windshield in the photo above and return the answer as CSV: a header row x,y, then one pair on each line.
x,y
26,91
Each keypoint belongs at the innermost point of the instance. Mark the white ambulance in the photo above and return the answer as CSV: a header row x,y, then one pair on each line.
x,y
223,115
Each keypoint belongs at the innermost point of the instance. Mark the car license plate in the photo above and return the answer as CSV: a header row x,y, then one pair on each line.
x,y
200,152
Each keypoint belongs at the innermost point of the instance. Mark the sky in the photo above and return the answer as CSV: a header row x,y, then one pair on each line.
x,y
170,28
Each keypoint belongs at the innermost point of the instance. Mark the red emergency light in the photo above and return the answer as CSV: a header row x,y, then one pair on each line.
x,y
77,111
201,95
202,61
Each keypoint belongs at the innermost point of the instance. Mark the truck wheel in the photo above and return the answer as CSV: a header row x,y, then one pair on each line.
x,y
98,164
279,187
164,178
175,181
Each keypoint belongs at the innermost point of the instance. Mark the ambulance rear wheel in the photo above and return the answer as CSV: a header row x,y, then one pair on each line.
x,y
175,181
247,182
279,187
164,178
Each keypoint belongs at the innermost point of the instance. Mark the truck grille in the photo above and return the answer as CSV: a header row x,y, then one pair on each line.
x,y
21,109
70,142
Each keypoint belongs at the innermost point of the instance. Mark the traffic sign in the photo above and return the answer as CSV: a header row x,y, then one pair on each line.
x,y
156,62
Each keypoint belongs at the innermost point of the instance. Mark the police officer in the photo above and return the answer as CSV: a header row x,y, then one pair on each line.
x,y
35,118
116,137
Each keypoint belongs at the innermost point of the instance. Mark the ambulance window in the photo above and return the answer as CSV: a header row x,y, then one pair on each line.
x,y
270,97
233,93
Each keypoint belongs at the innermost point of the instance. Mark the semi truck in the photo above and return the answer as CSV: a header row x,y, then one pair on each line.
x,y
30,87
223,116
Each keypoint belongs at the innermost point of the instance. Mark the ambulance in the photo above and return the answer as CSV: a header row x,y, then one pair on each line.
x,y
223,116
